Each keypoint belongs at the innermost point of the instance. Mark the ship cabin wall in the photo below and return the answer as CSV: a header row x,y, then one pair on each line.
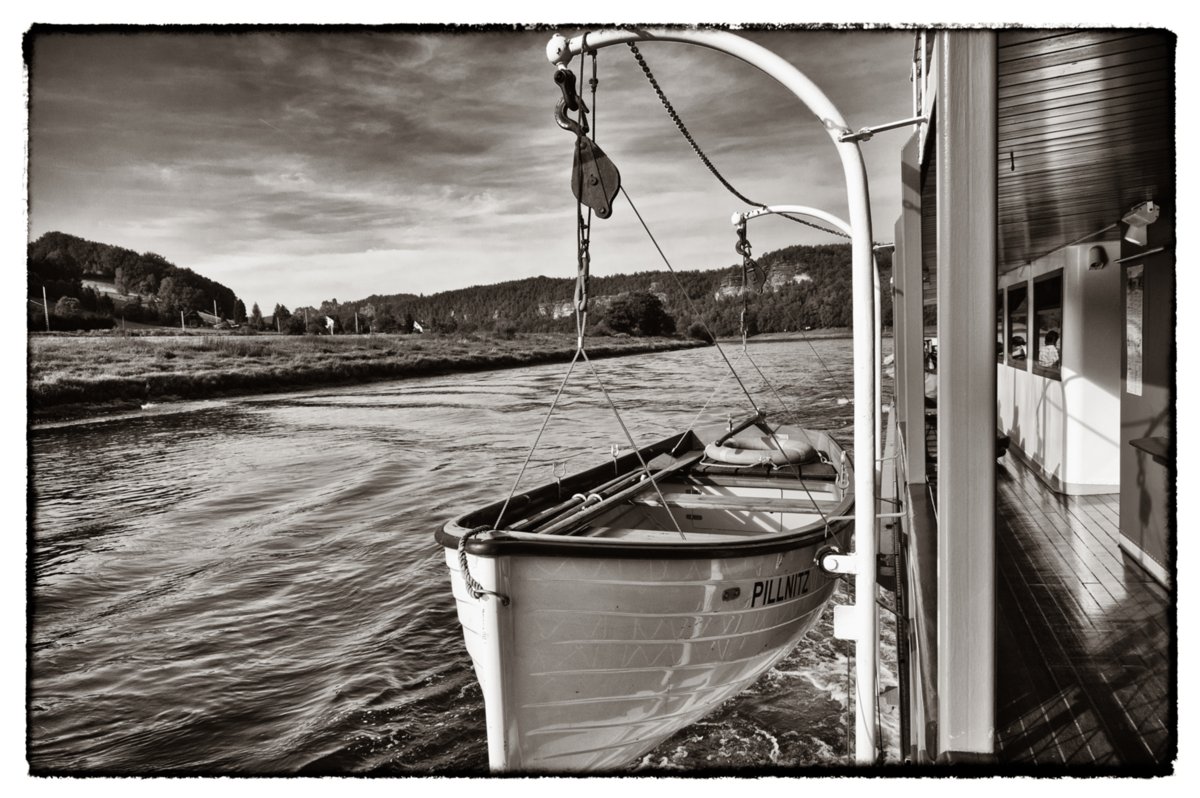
x,y
1147,409
1063,419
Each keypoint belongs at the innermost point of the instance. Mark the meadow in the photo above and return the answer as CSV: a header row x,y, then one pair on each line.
x,y
83,374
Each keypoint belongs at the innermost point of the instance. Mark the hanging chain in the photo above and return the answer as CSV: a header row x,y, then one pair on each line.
x,y
743,249
584,229
748,264
583,247
593,82
662,98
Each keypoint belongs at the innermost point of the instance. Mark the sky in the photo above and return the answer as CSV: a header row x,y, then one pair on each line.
x,y
296,167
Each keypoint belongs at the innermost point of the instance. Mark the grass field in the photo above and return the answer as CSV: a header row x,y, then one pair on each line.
x,y
83,374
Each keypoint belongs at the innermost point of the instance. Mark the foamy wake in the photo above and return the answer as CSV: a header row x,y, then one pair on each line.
x,y
830,678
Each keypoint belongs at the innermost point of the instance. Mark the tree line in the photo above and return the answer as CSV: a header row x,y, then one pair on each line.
x,y
797,287
157,290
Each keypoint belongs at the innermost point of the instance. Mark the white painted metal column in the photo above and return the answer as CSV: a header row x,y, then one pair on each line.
x,y
966,499
910,304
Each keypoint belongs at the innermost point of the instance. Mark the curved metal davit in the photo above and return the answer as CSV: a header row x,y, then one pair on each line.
x,y
560,50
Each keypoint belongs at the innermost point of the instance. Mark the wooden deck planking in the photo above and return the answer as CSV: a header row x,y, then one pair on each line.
x,y
1083,663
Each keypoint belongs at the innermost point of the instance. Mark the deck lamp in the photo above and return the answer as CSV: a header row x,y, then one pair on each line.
x,y
1137,220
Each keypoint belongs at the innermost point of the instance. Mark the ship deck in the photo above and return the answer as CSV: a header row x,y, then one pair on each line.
x,y
1084,635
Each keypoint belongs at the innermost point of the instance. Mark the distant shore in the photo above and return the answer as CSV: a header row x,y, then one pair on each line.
x,y
74,376
821,334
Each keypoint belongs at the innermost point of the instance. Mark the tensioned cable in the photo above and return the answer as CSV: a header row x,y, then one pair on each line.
x,y
582,238
634,446
716,343
583,241
712,395
537,439
683,291
696,313
824,367
799,475
670,109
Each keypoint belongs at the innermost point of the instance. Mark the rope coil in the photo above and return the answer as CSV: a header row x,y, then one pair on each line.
x,y
474,588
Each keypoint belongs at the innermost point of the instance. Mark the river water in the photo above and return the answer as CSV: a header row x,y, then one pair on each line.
x,y
251,586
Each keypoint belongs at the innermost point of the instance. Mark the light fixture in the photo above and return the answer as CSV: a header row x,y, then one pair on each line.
x,y
1097,257
1136,221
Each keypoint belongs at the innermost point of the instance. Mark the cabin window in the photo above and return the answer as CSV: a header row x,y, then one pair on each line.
x,y
1017,345
1047,325
1000,327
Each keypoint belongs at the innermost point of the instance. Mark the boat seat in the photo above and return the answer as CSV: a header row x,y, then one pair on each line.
x,y
745,504
626,533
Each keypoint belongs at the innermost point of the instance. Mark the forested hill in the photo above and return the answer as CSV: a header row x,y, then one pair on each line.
x,y
89,283
60,263
797,287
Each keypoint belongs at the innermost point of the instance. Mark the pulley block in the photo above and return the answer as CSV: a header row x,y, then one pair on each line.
x,y
595,180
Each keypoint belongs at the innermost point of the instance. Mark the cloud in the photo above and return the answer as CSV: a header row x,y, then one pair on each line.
x,y
270,156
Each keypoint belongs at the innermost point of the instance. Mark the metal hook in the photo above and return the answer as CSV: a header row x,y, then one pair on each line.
x,y
743,245
567,123
570,102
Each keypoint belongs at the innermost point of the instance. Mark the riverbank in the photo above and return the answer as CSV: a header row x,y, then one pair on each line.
x,y
84,375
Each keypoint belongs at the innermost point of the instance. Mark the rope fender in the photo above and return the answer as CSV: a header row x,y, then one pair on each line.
x,y
474,588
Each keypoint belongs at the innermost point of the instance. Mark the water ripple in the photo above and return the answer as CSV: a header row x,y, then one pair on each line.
x,y
252,587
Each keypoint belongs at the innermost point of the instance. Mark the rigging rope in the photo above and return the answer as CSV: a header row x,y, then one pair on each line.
x,y
691,304
743,247
717,344
537,439
636,451
583,260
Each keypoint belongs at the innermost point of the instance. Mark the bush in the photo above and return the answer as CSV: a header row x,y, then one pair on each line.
x,y
80,320
698,331
505,329
639,313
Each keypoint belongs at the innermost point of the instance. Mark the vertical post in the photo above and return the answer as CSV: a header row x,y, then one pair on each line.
x,y
46,307
356,322
866,544
218,315
878,370
909,304
966,291
182,325
278,326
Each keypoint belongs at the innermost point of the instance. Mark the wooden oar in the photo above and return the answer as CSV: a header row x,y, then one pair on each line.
x,y
592,510
757,419
525,524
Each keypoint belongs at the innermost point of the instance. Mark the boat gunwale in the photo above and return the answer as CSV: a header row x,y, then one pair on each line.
x,y
497,543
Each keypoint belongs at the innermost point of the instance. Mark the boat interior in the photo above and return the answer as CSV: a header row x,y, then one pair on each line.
x,y
681,494
719,507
